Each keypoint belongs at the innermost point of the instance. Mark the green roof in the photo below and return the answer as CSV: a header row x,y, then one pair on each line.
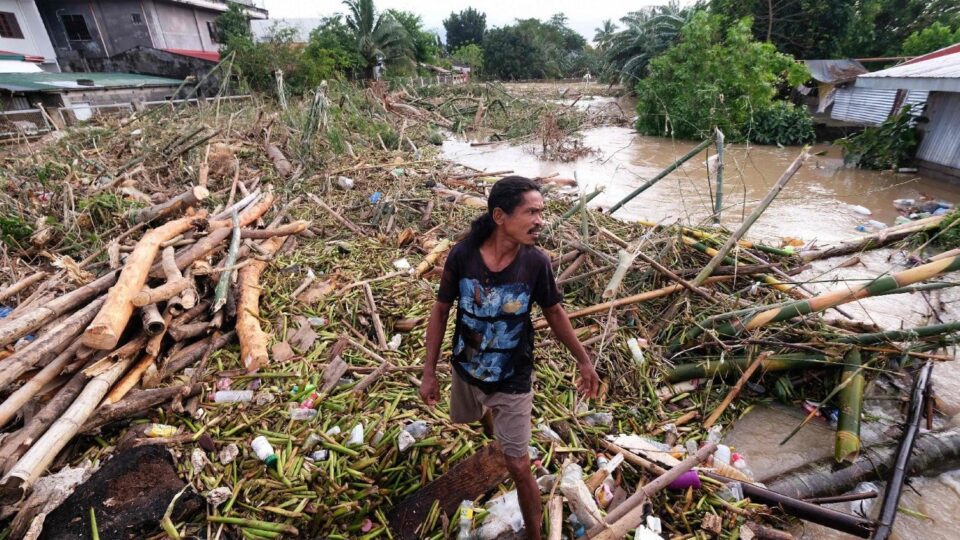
x,y
59,82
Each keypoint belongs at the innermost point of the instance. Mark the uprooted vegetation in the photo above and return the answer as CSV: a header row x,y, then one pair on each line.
x,y
383,210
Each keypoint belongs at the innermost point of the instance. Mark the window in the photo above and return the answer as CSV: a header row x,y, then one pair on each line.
x,y
76,27
9,27
213,30
137,19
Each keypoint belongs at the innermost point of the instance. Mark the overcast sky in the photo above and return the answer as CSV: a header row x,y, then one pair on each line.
x,y
582,15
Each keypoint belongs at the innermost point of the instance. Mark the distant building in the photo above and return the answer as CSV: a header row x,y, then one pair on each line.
x,y
23,38
84,31
938,74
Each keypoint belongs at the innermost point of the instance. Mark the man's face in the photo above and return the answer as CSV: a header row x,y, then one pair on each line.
x,y
524,224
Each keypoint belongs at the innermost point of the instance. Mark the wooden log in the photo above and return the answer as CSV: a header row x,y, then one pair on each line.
x,y
21,285
193,352
136,403
249,214
253,340
105,330
162,293
873,241
153,323
19,481
176,205
188,331
289,229
14,329
467,480
47,346
13,404
172,273
129,380
280,162
197,251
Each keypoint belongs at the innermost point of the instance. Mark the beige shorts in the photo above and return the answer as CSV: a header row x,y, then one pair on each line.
x,y
511,413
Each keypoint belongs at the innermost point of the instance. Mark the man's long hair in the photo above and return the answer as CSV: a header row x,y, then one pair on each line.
x,y
506,194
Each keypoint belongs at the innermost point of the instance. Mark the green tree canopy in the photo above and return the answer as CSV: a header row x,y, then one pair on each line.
x,y
464,28
425,44
233,23
713,77
470,55
880,27
511,53
646,34
936,36
603,34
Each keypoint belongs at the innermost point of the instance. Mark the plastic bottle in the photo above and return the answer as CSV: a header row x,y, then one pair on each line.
x,y
264,451
599,419
733,492
310,402
740,464
233,396
300,413
312,440
356,435
635,350
466,521
715,434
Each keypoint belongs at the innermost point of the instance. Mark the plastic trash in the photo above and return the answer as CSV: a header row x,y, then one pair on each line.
x,y
317,322
878,225
732,492
740,464
335,430
228,454
319,455
599,419
863,506
345,182
635,350
418,429
941,211
722,455
300,413
264,451
578,495
402,265
4,311
545,482
160,430
715,434
692,447
548,432
405,441
862,210
394,343
686,480
310,401
233,396
640,443
650,530
356,435
312,441
466,521
503,517
376,197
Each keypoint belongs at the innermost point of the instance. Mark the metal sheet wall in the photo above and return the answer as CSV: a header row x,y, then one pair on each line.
x,y
863,105
941,142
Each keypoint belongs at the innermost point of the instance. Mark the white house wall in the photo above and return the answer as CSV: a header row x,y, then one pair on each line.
x,y
35,41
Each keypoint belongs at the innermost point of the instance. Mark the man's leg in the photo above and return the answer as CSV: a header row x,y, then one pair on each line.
x,y
527,493
487,421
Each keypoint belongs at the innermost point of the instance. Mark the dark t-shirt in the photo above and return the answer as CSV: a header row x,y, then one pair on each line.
x,y
493,339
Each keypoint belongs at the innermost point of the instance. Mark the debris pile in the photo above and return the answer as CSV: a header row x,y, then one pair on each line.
x,y
272,337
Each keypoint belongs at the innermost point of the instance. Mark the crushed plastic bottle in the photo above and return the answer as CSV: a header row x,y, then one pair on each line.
x,y
264,451
233,396
319,455
356,435
599,419
739,463
548,432
403,265
650,530
503,517
466,521
160,430
394,343
732,492
312,441
300,413
722,454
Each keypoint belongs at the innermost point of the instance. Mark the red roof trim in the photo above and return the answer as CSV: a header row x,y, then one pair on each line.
x,y
946,51
210,56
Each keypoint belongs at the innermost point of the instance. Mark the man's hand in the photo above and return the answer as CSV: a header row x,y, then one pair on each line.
x,y
430,390
589,382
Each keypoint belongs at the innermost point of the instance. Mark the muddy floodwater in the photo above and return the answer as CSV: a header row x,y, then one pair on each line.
x,y
815,207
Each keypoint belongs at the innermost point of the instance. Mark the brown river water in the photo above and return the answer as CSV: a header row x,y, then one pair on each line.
x,y
815,207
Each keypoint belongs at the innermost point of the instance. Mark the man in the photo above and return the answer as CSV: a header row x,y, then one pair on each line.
x,y
495,274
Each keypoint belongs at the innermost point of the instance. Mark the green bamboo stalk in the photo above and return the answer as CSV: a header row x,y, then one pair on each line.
x,y
582,202
714,367
94,530
851,405
718,203
672,167
902,335
220,293
255,524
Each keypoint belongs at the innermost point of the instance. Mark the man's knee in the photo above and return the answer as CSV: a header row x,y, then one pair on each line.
x,y
518,467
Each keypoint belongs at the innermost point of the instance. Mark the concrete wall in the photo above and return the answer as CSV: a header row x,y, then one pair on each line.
x,y
35,41
117,22
184,27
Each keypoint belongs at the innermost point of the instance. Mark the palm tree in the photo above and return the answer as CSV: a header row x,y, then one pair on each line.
x,y
604,34
646,34
377,35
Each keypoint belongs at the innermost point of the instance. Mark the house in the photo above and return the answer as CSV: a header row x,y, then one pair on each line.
x,y
84,32
23,38
938,74
828,75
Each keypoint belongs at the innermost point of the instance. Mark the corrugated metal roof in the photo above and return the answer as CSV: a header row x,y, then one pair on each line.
x,y
951,49
834,71
940,143
59,82
863,105
936,74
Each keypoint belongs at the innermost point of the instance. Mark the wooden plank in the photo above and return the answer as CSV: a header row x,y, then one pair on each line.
x,y
467,480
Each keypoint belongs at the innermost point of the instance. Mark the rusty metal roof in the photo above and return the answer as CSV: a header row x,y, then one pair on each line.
x,y
834,71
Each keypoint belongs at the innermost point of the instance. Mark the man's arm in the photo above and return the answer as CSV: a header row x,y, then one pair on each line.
x,y
556,316
436,328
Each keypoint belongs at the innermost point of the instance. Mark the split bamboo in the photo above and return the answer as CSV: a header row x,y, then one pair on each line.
x,y
12,405
253,340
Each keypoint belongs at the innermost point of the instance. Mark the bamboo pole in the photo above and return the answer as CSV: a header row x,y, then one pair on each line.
x,y
19,481
105,330
153,323
12,405
629,300
901,335
885,237
670,168
772,363
718,202
851,404
757,212
220,293
22,285
253,340
198,250
630,513
47,346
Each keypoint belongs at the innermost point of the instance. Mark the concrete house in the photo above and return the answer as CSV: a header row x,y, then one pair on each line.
x,y
23,38
86,31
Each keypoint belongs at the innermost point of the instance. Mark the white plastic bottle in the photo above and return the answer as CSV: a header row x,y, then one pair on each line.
x,y
466,521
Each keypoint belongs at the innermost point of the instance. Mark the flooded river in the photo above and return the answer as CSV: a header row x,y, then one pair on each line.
x,y
815,207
